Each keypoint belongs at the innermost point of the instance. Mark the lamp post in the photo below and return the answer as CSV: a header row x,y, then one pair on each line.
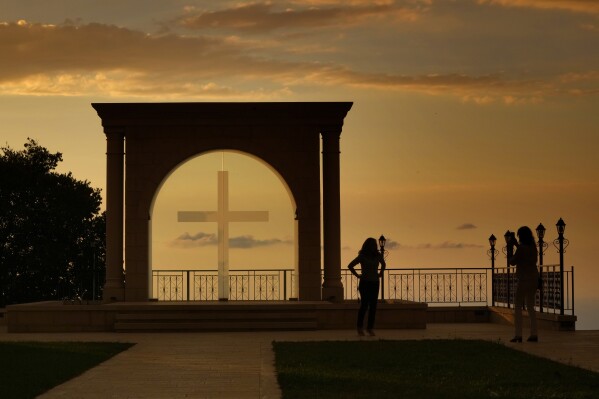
x,y
492,253
508,251
382,242
561,243
542,247
542,244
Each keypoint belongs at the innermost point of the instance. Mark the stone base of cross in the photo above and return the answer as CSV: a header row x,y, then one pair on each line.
x,y
223,216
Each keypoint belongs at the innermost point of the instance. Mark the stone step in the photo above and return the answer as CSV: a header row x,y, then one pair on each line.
x,y
223,319
216,315
214,325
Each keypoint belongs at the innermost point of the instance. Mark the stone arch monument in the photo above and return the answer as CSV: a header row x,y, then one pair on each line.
x,y
156,137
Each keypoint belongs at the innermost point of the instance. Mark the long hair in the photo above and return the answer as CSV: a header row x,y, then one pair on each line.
x,y
525,236
369,248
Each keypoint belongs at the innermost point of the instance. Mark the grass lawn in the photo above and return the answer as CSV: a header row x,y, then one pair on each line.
x,y
28,369
424,369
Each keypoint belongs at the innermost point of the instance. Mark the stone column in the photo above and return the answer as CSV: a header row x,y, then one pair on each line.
x,y
114,289
332,288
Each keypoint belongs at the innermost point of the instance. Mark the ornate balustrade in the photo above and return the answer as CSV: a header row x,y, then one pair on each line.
x,y
202,285
548,297
435,286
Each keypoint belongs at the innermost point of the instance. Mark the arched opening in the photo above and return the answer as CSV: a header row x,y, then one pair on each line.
x,y
155,137
186,255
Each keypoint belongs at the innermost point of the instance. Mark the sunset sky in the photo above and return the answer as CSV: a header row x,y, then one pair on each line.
x,y
469,117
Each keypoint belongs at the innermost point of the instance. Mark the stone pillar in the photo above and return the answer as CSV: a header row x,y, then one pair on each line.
x,y
332,288
114,288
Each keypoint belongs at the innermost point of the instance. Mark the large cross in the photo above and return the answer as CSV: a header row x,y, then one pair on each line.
x,y
223,216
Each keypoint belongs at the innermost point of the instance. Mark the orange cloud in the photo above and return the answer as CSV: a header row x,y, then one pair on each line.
x,y
265,17
583,6
590,27
97,59
321,3
484,89
29,49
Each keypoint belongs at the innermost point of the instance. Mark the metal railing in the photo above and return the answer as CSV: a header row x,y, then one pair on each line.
x,y
431,285
435,286
548,298
202,285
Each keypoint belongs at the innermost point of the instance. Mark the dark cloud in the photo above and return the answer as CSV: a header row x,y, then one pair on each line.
x,y
391,244
201,239
448,245
249,241
466,226
197,240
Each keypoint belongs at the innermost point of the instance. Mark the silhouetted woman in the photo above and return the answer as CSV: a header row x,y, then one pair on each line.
x,y
369,258
525,260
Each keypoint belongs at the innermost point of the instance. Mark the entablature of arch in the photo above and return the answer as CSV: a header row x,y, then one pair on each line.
x,y
322,116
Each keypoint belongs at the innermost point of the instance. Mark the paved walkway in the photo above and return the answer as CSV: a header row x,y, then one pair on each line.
x,y
240,365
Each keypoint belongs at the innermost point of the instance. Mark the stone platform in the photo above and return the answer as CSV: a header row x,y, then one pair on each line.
x,y
55,316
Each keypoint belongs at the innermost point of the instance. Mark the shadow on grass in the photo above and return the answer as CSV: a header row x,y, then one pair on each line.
x,y
424,369
28,369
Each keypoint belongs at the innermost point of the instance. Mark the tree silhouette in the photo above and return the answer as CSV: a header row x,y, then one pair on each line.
x,y
52,234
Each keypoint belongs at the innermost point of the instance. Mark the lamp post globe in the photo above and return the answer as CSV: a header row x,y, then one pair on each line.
x,y
382,241
492,241
541,231
561,226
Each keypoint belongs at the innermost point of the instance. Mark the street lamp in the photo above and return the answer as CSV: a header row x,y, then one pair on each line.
x,y
382,242
507,236
542,247
492,253
542,244
561,243
561,226
540,231
508,250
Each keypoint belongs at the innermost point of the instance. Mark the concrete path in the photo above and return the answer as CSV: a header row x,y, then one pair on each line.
x,y
241,365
